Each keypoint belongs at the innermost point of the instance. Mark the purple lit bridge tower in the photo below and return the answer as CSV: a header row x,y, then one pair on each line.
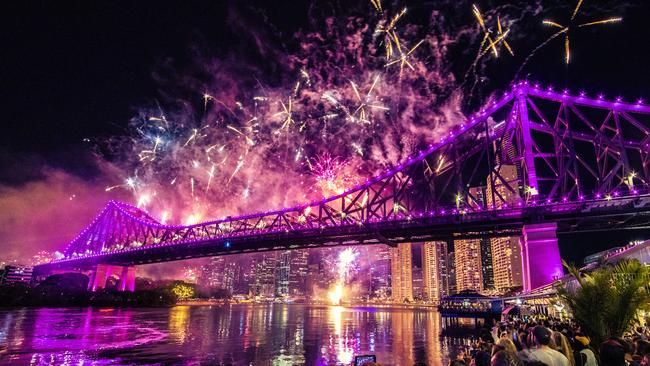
x,y
533,163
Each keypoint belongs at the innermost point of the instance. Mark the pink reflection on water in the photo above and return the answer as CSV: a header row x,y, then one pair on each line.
x,y
62,336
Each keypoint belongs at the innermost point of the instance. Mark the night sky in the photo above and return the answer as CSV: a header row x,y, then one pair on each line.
x,y
76,70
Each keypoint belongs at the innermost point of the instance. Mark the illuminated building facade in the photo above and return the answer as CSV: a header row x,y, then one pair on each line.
x,y
487,267
401,275
282,274
298,272
266,273
507,263
451,264
467,256
380,272
218,273
505,251
435,271
418,283
16,274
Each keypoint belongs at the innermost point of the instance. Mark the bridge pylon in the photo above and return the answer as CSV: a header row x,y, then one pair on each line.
x,y
540,255
102,272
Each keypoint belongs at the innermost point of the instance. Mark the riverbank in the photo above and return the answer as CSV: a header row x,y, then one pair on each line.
x,y
71,290
385,305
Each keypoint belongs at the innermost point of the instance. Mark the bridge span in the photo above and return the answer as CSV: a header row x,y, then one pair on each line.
x,y
533,163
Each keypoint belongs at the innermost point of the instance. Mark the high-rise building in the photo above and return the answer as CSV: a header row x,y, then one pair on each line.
x,y
506,251
282,274
468,265
503,187
298,272
418,283
219,272
361,279
487,267
245,273
311,285
380,272
435,271
477,197
212,273
16,274
401,273
451,264
265,274
507,263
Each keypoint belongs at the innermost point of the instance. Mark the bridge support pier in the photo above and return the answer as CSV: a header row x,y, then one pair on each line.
x,y
102,272
540,254
127,279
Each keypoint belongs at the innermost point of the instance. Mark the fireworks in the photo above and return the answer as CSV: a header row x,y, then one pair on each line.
x,y
358,95
365,102
286,113
43,257
403,58
376,4
562,29
343,268
390,34
487,39
332,175
489,43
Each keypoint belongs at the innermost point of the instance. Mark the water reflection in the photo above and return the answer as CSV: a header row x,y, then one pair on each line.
x,y
179,317
271,334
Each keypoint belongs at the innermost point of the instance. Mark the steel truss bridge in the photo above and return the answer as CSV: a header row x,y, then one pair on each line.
x,y
532,158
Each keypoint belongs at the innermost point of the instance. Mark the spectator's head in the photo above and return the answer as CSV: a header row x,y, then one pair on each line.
x,y
457,362
560,341
481,358
642,347
505,358
506,345
581,342
542,335
486,337
534,363
612,353
562,345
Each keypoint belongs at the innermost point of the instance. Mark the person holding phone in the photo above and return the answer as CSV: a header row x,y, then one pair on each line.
x,y
366,360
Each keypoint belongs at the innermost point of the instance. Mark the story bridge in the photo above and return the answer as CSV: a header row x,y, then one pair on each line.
x,y
533,162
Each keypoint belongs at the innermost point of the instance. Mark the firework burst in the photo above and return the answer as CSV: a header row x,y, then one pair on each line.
x,y
357,95
344,266
565,29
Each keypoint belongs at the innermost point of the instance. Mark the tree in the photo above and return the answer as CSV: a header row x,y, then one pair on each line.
x,y
607,300
182,291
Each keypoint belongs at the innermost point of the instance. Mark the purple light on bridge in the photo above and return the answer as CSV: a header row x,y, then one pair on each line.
x,y
540,255
284,220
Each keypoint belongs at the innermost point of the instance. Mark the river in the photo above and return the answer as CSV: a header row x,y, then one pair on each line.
x,y
238,334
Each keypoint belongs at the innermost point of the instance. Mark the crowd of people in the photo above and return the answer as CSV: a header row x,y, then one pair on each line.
x,y
552,342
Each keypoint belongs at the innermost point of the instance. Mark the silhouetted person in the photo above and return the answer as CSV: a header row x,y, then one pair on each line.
x,y
583,355
505,358
541,337
612,353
